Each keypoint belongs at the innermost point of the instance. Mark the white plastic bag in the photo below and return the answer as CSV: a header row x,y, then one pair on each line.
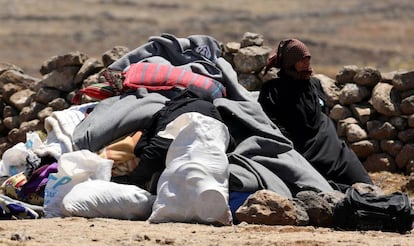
x,y
73,168
14,159
98,198
194,184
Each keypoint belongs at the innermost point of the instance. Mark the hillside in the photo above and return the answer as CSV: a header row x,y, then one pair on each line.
x,y
375,33
365,33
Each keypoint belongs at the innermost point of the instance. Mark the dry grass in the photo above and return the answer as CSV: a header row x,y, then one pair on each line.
x,y
370,32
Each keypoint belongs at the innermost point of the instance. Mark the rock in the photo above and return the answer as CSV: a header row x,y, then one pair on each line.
x,y
400,123
271,74
355,133
363,188
268,208
16,136
249,81
389,76
231,47
22,98
330,88
365,148
410,120
19,135
3,129
5,66
380,162
342,125
381,130
114,54
44,113
72,59
339,112
251,39
319,210
363,113
251,59
390,146
9,111
346,74
407,105
367,76
90,66
4,145
385,100
403,81
11,122
19,79
61,79
30,112
58,104
8,90
353,93
405,156
46,94
2,106
406,135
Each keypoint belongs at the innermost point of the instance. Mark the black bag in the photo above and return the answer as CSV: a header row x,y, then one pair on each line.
x,y
368,211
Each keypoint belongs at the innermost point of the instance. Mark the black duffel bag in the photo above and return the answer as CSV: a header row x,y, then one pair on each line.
x,y
368,211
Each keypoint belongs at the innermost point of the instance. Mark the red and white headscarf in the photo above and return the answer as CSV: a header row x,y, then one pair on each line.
x,y
286,54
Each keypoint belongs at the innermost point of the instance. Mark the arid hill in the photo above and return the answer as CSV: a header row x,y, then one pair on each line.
x,y
375,33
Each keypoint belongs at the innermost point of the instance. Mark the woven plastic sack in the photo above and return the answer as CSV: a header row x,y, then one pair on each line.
x,y
194,185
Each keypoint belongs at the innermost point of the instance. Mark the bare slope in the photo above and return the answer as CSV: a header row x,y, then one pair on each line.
x,y
377,33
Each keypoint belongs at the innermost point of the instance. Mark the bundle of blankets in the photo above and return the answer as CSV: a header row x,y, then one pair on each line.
x,y
173,138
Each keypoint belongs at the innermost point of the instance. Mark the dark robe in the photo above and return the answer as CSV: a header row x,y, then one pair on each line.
x,y
297,107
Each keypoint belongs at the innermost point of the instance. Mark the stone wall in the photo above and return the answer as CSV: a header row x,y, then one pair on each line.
x,y
374,112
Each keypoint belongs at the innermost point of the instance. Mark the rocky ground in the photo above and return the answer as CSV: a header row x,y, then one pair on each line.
x,y
376,33
101,231
81,231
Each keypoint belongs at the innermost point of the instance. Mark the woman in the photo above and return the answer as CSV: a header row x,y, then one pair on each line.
x,y
295,102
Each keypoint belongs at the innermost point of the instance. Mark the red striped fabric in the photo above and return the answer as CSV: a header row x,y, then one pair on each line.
x,y
155,76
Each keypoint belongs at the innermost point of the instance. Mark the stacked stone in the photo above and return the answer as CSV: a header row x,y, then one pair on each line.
x,y
26,101
374,112
375,115
248,58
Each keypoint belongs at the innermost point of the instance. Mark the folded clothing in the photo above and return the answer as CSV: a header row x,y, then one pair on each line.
x,y
155,77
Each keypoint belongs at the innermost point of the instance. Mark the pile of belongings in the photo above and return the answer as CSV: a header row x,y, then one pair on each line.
x,y
171,137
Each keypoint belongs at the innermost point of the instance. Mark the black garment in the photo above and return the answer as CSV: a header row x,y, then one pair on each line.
x,y
297,107
152,149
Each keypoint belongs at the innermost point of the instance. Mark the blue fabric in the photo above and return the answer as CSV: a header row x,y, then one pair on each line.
x,y
236,199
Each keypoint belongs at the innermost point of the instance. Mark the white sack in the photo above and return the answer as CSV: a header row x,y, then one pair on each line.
x,y
98,198
194,184
73,168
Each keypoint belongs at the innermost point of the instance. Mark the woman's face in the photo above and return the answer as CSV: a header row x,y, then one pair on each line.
x,y
303,68
303,64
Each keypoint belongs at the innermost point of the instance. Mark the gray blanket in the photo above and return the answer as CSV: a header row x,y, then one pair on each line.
x,y
116,117
263,157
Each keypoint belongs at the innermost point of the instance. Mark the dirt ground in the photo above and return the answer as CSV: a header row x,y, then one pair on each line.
x,y
81,231
102,231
